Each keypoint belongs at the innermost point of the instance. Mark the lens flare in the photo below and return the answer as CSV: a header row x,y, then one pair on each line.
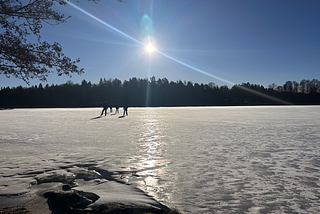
x,y
104,23
148,29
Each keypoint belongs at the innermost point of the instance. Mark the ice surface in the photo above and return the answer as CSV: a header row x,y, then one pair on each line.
x,y
115,192
199,159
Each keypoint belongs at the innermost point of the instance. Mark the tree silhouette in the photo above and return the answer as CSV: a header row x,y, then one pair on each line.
x,y
161,92
22,58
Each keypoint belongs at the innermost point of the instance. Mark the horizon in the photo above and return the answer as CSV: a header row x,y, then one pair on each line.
x,y
256,42
69,81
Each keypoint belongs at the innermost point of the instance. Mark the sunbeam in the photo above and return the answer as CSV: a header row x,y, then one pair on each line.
x,y
104,23
196,69
149,30
148,84
263,95
223,80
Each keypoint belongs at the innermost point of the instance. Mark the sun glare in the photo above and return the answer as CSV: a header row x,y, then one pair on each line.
x,y
150,48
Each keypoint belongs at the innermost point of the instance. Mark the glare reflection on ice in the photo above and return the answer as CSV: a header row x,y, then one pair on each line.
x,y
150,140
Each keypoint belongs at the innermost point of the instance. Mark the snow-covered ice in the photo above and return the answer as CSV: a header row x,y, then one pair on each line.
x,y
198,159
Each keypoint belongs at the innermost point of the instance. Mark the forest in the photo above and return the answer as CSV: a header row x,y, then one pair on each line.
x,y
140,92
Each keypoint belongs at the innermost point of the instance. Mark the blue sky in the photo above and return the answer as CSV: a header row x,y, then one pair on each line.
x,y
231,41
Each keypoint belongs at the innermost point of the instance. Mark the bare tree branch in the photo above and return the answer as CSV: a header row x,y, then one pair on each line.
x,y
25,60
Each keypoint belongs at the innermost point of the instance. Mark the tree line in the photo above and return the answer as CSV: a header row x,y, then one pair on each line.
x,y
158,92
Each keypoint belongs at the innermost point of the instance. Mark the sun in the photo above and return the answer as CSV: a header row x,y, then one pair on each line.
x,y
150,48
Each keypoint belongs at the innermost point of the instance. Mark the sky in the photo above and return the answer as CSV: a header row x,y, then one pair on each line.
x,y
225,42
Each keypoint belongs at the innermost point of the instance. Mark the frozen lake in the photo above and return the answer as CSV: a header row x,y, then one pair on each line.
x,y
197,159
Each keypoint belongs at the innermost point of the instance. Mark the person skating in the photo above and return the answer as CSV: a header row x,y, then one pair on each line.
x,y
105,108
117,108
125,109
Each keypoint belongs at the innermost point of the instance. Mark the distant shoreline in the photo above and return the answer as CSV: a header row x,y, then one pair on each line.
x,y
161,92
